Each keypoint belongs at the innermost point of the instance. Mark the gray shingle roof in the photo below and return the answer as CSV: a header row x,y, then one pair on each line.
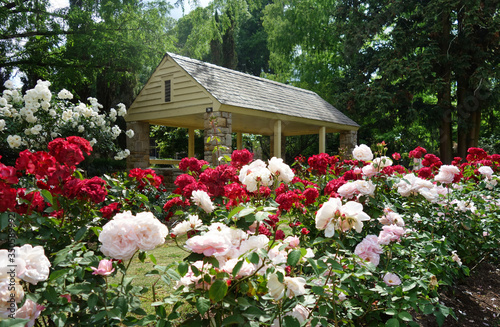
x,y
234,88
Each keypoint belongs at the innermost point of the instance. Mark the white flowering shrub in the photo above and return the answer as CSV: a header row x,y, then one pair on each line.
x,y
32,120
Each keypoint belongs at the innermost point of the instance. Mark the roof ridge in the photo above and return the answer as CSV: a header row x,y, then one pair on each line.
x,y
232,71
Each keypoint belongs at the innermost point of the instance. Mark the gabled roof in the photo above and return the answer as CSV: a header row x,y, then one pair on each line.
x,y
234,88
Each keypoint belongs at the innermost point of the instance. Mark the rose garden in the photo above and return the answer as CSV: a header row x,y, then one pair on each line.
x,y
365,241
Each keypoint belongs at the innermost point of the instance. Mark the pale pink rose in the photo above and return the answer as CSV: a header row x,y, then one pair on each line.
x,y
447,174
485,234
362,152
210,243
369,249
275,287
35,263
293,242
391,218
390,234
348,190
30,311
411,184
277,256
281,169
430,194
105,268
254,242
299,312
391,279
486,171
456,258
246,269
369,170
202,199
150,231
118,237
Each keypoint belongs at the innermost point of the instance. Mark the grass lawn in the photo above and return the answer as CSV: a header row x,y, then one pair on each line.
x,y
165,255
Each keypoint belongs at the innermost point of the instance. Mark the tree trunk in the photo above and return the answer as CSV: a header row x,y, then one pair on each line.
x,y
443,72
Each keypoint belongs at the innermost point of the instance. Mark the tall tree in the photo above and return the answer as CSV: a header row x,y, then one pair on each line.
x,y
97,48
394,67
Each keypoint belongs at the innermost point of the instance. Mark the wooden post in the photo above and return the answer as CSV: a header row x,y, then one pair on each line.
x,y
239,141
191,142
277,139
322,139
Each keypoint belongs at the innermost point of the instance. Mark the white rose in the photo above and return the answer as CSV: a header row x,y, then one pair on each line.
x,y
382,162
447,174
295,286
362,152
365,187
486,171
348,190
2,125
281,169
202,199
130,133
36,264
276,289
8,84
14,141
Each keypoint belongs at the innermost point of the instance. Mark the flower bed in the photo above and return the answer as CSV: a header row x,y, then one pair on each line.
x,y
326,242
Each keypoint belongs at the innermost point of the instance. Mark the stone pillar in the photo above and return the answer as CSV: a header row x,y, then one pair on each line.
x,y
218,130
348,140
138,145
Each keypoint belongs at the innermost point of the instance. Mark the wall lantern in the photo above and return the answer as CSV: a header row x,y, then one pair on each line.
x,y
209,110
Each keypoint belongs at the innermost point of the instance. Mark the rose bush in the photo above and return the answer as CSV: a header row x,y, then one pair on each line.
x,y
324,242
32,120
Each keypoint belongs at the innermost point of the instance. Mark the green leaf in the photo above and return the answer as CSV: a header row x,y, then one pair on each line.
x,y
183,268
47,196
233,320
392,323
92,301
253,258
234,211
290,321
237,268
408,287
13,322
405,316
218,290
203,305
81,233
294,257
58,273
4,220
153,259
246,212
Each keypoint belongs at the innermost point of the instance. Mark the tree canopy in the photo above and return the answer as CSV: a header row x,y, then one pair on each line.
x,y
409,72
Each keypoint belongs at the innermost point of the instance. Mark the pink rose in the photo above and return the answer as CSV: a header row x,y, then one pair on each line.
x,y
211,243
447,174
390,233
293,241
30,310
391,279
369,249
105,268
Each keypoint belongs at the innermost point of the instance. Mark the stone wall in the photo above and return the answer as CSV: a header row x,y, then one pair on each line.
x,y
138,145
218,125
348,141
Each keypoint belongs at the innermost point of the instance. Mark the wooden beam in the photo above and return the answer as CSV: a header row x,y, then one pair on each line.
x,y
239,141
191,143
277,139
322,139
